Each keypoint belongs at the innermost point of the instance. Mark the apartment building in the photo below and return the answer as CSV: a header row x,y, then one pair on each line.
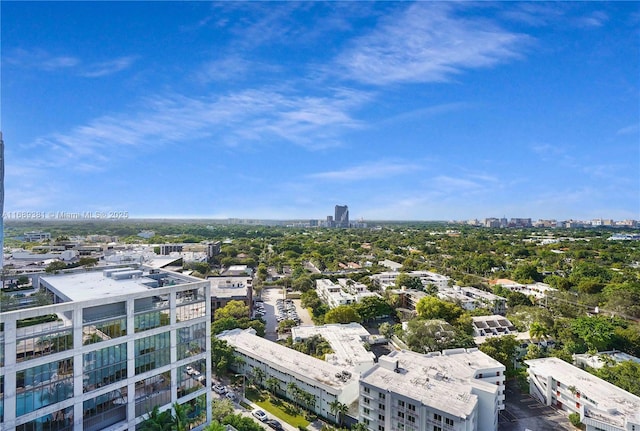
x,y
456,390
471,298
346,340
601,405
343,293
537,290
114,344
232,288
388,278
320,381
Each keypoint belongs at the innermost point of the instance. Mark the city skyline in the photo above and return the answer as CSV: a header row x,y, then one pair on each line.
x,y
403,111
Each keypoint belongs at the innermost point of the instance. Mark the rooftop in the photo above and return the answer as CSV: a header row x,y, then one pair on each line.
x,y
612,401
280,357
443,381
346,340
84,285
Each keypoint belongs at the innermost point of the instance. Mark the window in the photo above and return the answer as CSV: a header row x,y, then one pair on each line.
x,y
412,407
437,417
104,410
43,385
381,418
437,428
411,419
366,401
577,405
104,366
497,373
366,411
400,403
382,396
480,375
448,421
152,352
191,340
381,406
380,428
401,415
62,420
366,390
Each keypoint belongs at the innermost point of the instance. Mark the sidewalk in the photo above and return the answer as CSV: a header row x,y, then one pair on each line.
x,y
313,426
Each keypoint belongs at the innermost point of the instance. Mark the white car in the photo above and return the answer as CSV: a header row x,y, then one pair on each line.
x,y
260,415
189,369
219,389
231,396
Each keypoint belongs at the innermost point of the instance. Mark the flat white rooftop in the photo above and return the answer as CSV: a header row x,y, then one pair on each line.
x,y
82,286
441,381
347,342
288,360
609,398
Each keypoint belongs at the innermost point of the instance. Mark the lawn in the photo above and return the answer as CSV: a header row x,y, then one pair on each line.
x,y
280,409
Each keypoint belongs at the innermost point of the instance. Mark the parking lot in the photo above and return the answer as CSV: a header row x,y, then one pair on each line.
x,y
270,301
523,412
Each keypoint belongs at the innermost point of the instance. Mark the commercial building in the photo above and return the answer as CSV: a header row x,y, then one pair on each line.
x,y
601,405
114,344
346,341
312,382
341,218
456,390
388,278
36,236
167,249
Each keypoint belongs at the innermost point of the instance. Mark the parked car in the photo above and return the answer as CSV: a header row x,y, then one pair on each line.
x,y
219,389
260,415
189,369
274,424
231,396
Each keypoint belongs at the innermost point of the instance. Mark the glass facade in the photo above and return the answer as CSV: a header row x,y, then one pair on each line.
x,y
151,392
151,312
43,344
192,377
60,420
191,340
152,352
43,385
103,331
104,366
105,410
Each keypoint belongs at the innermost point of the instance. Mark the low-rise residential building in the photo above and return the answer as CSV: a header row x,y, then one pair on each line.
x,y
311,381
388,278
601,405
471,298
537,290
36,236
456,390
345,293
347,342
225,289
114,344
612,357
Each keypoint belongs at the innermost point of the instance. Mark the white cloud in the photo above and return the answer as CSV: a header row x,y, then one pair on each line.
x,y
108,67
629,130
427,43
245,118
366,171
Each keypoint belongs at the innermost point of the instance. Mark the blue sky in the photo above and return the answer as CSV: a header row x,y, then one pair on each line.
x,y
403,111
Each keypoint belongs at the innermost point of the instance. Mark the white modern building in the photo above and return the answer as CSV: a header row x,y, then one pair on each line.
x,y
599,360
388,278
456,390
537,290
114,344
601,405
231,288
320,381
347,342
471,298
344,293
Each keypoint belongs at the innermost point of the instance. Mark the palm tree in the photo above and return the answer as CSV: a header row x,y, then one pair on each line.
x,y
179,420
339,409
359,427
293,390
157,421
537,331
273,384
258,375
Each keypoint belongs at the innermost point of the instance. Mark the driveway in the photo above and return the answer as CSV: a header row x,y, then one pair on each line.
x,y
522,412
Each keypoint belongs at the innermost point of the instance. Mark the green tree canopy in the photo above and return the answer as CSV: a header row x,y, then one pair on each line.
x,y
431,307
235,309
342,314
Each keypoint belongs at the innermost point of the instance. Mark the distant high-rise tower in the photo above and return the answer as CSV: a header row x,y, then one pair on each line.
x,y
341,218
1,203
